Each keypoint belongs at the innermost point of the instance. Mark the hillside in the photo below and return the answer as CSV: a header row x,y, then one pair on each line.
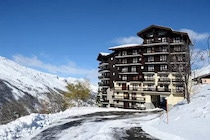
x,y
24,90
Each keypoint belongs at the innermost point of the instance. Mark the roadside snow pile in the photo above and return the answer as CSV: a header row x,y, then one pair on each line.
x,y
25,125
186,121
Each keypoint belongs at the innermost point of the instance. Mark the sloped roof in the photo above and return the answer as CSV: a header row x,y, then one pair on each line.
x,y
141,33
102,55
153,26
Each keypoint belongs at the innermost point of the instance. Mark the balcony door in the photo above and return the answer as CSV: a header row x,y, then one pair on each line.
x,y
124,86
126,104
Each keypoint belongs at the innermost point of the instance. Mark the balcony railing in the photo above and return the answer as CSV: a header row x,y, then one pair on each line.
x,y
152,89
102,64
156,52
157,89
128,64
103,70
103,84
165,79
128,55
149,80
177,80
131,99
153,43
155,62
178,90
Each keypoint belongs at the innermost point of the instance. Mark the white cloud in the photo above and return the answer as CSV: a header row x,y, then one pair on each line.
x,y
128,40
196,37
68,69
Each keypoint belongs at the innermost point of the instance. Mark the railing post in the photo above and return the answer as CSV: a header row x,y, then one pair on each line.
x,y
167,121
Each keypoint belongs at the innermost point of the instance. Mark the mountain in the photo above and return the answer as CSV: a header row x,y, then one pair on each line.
x,y
24,90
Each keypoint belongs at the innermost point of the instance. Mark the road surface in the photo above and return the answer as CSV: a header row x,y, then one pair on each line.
x,y
115,125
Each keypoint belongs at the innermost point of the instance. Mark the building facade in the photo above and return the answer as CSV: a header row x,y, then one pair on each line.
x,y
145,74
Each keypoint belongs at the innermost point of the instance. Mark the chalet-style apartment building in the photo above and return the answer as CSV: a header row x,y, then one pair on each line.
x,y
142,74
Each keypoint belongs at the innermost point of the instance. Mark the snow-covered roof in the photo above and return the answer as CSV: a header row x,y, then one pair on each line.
x,y
124,46
104,54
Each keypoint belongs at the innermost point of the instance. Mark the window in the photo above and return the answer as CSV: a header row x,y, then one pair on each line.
x,y
135,78
150,76
112,58
179,88
176,40
113,66
163,67
161,33
177,49
125,69
124,77
135,86
181,67
163,58
133,68
150,34
150,58
124,53
113,73
148,41
180,58
164,49
149,50
135,52
150,87
164,39
150,67
135,60
124,61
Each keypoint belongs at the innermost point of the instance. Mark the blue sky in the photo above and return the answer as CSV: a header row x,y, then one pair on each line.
x,y
64,37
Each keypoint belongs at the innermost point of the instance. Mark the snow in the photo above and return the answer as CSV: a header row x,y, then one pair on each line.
x,y
104,54
186,122
29,126
124,46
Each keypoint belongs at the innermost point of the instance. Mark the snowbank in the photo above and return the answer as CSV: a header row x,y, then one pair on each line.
x,y
186,121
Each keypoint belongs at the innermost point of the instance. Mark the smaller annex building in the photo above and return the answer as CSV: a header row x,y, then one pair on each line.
x,y
143,75
201,76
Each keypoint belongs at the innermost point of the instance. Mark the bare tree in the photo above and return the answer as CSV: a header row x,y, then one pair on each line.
x,y
181,63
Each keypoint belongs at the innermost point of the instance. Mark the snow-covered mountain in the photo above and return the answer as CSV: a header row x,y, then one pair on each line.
x,y
24,90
